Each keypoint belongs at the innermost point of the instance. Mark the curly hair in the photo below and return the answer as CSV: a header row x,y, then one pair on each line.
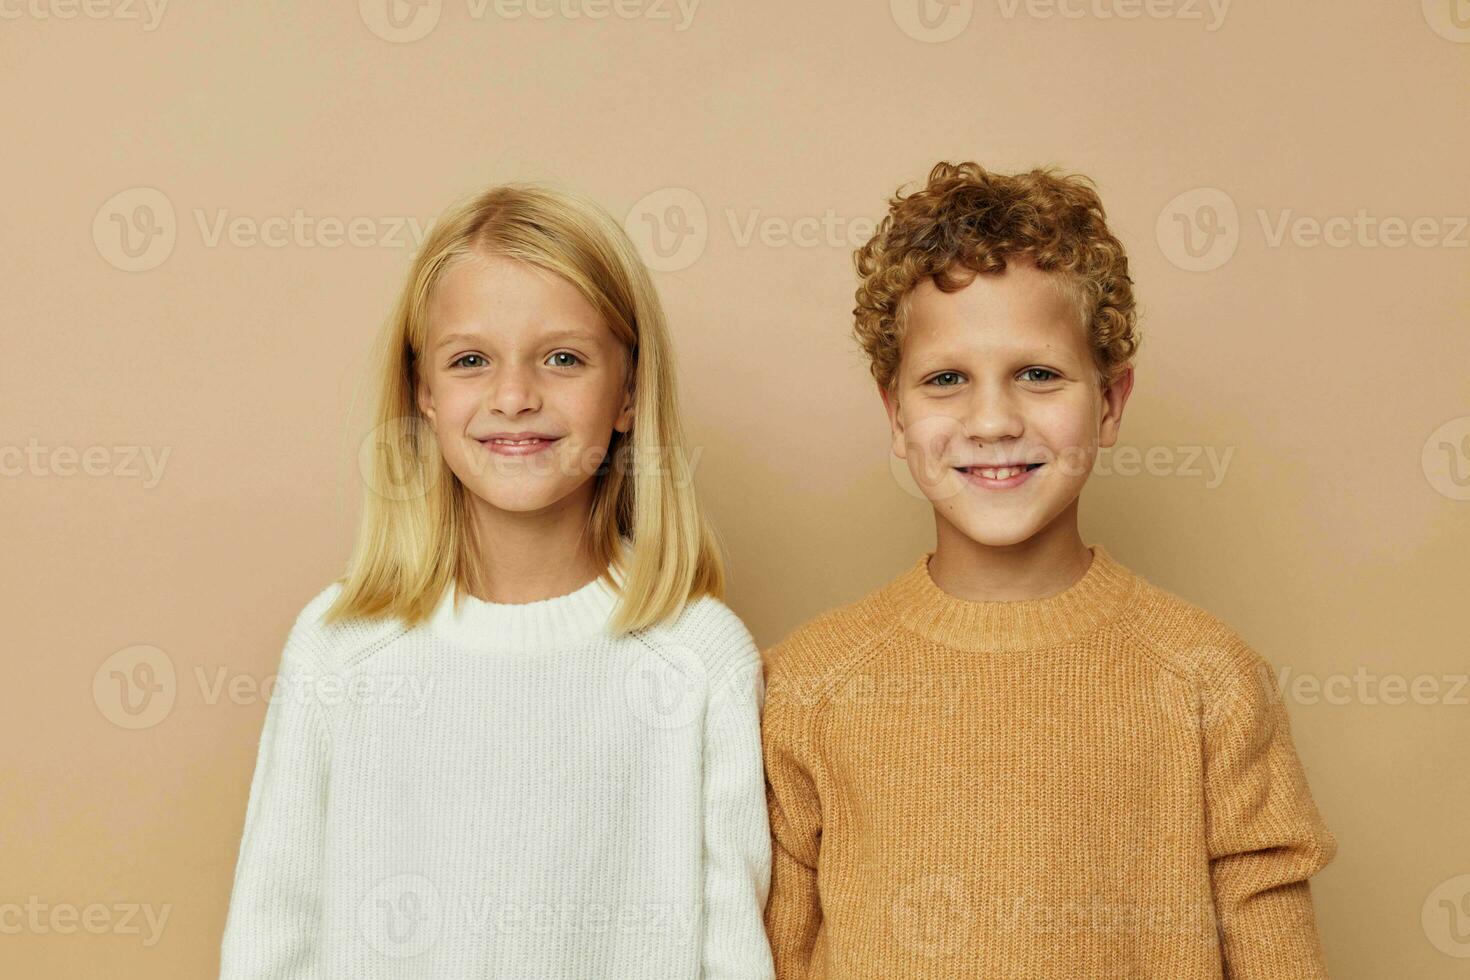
x,y
967,218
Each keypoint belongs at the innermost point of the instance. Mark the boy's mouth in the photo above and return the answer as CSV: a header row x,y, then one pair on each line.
x,y
999,472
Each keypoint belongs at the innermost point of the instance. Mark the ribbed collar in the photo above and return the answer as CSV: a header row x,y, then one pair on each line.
x,y
1022,624
544,625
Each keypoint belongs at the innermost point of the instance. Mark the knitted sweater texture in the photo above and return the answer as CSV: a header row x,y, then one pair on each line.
x,y
1096,784
507,791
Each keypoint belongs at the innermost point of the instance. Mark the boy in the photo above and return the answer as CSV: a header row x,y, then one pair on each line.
x,y
1019,758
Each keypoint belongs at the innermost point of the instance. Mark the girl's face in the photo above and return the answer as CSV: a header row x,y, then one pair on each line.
x,y
523,384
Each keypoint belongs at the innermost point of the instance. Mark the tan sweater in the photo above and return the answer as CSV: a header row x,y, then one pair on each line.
x,y
1097,784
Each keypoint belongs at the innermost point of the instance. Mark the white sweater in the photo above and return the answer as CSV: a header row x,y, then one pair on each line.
x,y
507,792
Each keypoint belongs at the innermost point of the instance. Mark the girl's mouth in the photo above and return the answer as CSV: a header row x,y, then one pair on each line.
x,y
517,447
999,477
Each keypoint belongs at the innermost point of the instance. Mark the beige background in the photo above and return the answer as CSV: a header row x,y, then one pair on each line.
x,y
1335,539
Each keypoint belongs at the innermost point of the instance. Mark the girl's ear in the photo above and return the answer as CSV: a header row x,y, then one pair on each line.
x,y
624,420
425,399
630,392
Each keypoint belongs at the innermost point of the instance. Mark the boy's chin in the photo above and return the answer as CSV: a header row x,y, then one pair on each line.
x,y
995,532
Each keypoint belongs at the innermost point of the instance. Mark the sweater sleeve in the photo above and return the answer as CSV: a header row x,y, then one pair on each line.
x,y
793,912
737,849
270,931
1264,834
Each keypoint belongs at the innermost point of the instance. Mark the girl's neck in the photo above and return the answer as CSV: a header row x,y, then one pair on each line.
x,y
530,557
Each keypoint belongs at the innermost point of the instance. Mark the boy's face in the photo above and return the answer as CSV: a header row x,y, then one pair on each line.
x,y
1001,372
516,350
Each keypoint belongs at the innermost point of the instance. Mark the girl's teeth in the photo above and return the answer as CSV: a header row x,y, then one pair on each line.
x,y
1001,474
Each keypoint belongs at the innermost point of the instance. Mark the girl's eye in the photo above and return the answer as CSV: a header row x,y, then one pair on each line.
x,y
946,374
1050,374
464,360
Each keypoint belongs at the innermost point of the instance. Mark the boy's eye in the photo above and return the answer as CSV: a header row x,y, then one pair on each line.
x,y
1050,374
945,384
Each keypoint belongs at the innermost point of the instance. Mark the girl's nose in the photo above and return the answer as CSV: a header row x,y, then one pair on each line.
x,y
513,390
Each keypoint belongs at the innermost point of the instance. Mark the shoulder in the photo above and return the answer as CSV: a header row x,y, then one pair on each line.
x,y
1189,639
335,643
311,614
825,647
712,631
710,619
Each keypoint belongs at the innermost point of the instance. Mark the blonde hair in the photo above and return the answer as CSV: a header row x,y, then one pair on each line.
x,y
416,536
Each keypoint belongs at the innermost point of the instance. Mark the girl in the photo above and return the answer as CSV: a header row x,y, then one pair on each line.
x,y
521,736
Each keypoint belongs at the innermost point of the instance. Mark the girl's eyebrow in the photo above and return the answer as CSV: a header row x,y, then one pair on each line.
x,y
455,338
566,334
571,333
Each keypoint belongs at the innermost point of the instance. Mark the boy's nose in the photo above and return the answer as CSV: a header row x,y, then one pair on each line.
x,y
993,414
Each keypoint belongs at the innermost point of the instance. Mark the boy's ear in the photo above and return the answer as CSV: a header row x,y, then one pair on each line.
x,y
1115,396
895,421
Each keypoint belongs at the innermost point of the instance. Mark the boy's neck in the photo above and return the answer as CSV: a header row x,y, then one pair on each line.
x,y
1048,562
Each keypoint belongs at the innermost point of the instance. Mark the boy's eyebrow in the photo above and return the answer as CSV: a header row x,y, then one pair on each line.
x,y
1043,352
